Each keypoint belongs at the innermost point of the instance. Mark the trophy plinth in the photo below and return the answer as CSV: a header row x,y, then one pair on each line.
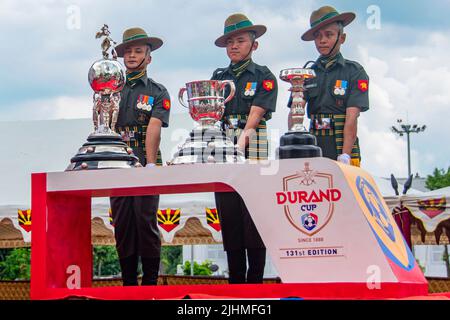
x,y
207,143
105,148
298,142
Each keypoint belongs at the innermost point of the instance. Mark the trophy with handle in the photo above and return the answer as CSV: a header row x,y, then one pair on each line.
x,y
105,148
298,142
207,143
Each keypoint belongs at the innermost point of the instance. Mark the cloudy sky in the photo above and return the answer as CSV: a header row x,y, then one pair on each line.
x,y
48,47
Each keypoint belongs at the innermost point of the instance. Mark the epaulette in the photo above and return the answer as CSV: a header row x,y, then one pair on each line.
x,y
219,71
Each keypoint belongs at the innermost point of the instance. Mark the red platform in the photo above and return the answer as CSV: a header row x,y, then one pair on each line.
x,y
61,239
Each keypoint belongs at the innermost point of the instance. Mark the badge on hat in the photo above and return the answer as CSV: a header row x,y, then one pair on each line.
x,y
268,85
250,89
363,85
340,88
166,104
145,102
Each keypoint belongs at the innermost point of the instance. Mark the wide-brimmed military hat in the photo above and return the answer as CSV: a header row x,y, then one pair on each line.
x,y
135,36
237,23
324,16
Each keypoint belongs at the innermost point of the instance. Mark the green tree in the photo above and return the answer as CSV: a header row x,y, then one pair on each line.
x,y
439,179
199,269
16,265
106,261
171,257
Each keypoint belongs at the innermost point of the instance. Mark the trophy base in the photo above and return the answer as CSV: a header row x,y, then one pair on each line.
x,y
209,145
103,151
297,145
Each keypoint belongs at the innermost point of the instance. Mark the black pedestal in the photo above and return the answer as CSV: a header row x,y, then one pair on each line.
x,y
207,146
103,152
295,145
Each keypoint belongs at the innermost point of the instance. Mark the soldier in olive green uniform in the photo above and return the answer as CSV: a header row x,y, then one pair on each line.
x,y
245,123
144,109
339,93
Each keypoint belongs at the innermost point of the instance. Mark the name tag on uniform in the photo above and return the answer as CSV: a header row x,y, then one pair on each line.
x,y
145,102
311,85
250,89
323,124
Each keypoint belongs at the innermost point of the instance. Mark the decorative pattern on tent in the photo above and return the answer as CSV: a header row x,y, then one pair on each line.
x,y
428,214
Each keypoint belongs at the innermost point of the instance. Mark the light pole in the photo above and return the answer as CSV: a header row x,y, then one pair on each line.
x,y
408,129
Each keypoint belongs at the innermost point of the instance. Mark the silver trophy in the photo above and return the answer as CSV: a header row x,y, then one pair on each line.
x,y
298,143
207,142
297,77
105,148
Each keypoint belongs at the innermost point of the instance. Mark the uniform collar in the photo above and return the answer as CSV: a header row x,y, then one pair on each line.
x,y
143,79
251,67
340,60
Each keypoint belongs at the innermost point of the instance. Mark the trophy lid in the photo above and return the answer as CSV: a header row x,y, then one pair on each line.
x,y
107,76
297,73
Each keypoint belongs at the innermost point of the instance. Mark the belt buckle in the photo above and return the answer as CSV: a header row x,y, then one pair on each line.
x,y
231,123
234,123
125,136
323,124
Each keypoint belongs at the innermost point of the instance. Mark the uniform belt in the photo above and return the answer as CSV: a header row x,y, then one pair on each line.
x,y
134,136
258,144
336,131
139,133
331,131
238,121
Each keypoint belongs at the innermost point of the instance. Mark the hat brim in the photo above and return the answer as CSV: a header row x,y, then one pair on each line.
x,y
346,18
154,43
259,30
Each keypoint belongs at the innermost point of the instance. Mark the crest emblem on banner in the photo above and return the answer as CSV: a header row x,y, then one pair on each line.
x,y
308,199
24,217
169,219
212,217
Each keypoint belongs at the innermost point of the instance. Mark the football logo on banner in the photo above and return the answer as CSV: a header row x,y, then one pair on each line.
x,y
169,219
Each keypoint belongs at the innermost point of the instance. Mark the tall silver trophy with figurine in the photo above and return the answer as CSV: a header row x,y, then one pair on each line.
x,y
105,148
298,142
207,142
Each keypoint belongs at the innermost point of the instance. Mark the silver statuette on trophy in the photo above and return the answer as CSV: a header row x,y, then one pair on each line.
x,y
105,148
298,143
207,142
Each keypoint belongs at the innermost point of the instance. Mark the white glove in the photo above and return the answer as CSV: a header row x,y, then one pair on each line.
x,y
150,165
344,158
